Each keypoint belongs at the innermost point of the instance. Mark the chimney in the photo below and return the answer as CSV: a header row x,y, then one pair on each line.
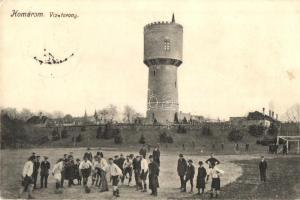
x,y
270,113
263,110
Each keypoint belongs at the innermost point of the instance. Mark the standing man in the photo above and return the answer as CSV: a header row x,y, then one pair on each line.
x,y
36,166
136,164
144,173
115,173
143,151
85,168
156,155
153,176
88,154
212,161
103,168
181,170
127,166
45,166
263,169
190,172
27,180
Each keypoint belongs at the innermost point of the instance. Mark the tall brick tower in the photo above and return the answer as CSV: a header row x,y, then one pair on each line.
x,y
162,55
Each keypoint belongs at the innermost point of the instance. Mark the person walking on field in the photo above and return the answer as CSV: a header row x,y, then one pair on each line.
x,y
136,164
216,181
45,166
115,173
127,166
201,178
153,176
181,170
103,168
27,180
263,169
190,172
57,173
144,173
212,161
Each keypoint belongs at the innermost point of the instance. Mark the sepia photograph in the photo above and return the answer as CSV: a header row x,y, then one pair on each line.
x,y
161,99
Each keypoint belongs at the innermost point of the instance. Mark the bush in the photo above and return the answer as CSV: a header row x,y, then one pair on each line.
x,y
118,139
142,139
206,131
181,129
64,133
235,135
256,130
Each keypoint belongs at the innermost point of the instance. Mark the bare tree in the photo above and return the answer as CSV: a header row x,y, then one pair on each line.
x,y
103,113
112,112
129,114
293,115
11,112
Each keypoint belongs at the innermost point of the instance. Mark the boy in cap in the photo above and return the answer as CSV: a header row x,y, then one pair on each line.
x,y
45,166
181,170
190,172
115,173
153,176
201,178
27,181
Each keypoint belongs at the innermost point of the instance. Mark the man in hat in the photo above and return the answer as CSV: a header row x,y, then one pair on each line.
x,y
136,165
201,178
36,167
181,170
263,169
45,166
115,173
27,180
153,176
190,172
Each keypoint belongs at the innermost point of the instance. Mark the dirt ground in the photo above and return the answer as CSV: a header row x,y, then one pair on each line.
x,y
12,162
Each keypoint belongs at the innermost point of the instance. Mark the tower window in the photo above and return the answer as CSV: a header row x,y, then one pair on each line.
x,y
167,45
154,73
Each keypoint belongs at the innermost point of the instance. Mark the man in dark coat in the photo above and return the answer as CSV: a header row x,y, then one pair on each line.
x,y
88,155
136,164
153,176
190,173
181,170
70,170
263,169
45,166
143,151
212,161
201,178
36,166
156,155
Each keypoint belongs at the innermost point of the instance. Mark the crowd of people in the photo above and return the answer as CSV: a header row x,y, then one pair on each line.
x,y
119,170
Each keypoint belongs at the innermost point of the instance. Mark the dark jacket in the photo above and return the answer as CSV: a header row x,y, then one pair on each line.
x,y
120,163
190,171
143,152
212,161
45,166
156,156
136,165
70,170
36,166
153,169
263,165
88,155
181,167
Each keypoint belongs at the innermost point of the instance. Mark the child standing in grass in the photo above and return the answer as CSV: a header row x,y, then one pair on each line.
x,y
201,178
216,181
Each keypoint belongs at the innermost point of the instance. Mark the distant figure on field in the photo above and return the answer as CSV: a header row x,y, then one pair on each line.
x,y
247,147
263,169
88,154
181,170
201,178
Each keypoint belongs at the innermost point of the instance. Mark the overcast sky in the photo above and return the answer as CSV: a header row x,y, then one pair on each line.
x,y
238,56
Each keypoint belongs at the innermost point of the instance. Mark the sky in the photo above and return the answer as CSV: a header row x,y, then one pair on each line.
x,y
238,56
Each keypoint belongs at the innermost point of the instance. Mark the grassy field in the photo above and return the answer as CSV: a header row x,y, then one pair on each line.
x,y
240,178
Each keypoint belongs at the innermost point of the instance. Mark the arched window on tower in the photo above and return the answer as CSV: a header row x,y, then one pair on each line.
x,y
167,45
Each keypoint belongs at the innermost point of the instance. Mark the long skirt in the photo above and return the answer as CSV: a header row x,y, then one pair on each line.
x,y
216,183
200,182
